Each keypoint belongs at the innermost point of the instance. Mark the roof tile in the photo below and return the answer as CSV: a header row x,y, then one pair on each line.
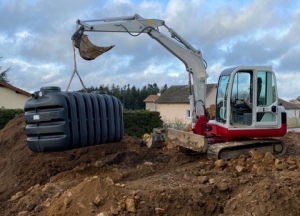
x,y
151,98
179,94
14,88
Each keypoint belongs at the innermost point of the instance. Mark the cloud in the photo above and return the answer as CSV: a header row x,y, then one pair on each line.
x,y
35,40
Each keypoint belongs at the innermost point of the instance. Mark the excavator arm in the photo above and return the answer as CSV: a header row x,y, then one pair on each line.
x,y
136,25
175,44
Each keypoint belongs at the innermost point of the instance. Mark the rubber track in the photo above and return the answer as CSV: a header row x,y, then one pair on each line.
x,y
241,147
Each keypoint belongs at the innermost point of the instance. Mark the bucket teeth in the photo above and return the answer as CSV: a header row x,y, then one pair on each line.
x,y
89,51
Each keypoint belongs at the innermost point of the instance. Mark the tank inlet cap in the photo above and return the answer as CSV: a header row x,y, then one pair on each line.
x,y
50,88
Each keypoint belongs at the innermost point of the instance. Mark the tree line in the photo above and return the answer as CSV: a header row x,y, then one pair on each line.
x,y
130,96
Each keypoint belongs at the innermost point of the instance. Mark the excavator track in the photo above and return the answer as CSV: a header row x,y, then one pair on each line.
x,y
231,150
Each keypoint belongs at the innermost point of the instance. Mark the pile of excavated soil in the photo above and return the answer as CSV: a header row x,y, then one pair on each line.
x,y
127,178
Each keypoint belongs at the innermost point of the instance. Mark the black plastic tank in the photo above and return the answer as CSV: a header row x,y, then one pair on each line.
x,y
58,120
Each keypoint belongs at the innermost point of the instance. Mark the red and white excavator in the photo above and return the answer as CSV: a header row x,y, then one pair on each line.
x,y
248,115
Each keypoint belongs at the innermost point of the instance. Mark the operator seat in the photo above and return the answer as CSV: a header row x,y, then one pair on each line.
x,y
248,99
259,84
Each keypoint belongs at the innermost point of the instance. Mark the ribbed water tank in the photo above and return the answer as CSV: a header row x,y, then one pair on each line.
x,y
57,120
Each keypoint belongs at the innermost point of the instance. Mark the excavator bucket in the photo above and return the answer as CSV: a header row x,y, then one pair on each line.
x,y
87,50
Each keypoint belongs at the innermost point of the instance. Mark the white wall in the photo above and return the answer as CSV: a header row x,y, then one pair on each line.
x,y
293,113
171,113
211,98
9,99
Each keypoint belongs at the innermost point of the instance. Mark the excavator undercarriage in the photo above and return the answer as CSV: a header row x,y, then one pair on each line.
x,y
229,150
215,151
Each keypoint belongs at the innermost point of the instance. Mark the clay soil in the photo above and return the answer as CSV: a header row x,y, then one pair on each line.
x,y
127,178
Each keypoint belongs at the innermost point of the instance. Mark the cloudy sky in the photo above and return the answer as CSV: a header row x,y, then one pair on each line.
x,y
35,41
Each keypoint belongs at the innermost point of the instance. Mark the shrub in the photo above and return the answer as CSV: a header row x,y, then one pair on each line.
x,y
139,122
8,114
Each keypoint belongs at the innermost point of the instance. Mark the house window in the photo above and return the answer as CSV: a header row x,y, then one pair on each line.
x,y
188,114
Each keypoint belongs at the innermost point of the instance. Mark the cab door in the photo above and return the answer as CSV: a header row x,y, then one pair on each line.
x,y
266,101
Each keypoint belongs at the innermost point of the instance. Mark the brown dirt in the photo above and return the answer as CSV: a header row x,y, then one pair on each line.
x,y
127,178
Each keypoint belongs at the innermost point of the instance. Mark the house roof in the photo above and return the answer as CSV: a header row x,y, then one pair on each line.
x,y
17,90
180,94
151,98
287,105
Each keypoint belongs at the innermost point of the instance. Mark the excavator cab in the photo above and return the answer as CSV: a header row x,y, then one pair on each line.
x,y
247,101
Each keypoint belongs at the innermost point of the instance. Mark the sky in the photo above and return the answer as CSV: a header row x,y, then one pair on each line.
x,y
35,41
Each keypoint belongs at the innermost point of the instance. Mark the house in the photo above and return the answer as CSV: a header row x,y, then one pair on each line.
x,y
173,104
292,110
150,102
12,97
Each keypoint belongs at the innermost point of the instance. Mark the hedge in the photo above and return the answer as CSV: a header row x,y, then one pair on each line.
x,y
139,122
8,114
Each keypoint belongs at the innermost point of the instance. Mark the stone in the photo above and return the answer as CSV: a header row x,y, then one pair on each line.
x,y
17,195
281,166
293,167
212,181
290,162
47,202
98,200
160,211
277,161
202,179
206,189
291,158
186,177
269,157
104,214
81,205
261,171
48,188
23,213
220,163
255,167
130,205
242,160
109,181
244,181
99,164
114,210
240,168
39,208
242,157
255,154
223,186
67,202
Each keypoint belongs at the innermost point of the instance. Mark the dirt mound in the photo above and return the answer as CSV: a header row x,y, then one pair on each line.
x,y
127,178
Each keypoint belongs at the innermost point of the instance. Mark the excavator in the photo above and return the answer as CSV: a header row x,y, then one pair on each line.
x,y
248,115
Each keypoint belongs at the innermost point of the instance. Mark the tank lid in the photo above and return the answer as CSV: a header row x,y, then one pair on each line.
x,y
50,88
